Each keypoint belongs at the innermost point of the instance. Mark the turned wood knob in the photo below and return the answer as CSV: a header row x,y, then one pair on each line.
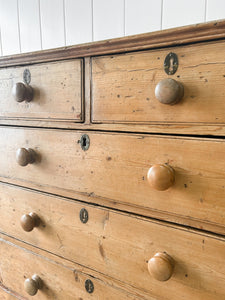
x,y
22,92
32,285
169,91
161,177
29,221
161,266
25,156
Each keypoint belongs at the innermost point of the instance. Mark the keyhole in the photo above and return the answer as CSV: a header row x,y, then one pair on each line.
x,y
84,215
89,286
171,64
85,142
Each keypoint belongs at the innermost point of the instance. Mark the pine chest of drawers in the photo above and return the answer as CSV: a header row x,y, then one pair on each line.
x,y
112,171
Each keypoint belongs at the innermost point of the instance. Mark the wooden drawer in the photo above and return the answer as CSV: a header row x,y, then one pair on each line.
x,y
123,86
114,171
59,281
58,92
198,273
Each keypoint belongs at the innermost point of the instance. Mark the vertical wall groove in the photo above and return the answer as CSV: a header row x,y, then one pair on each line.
x,y
18,22
64,22
39,7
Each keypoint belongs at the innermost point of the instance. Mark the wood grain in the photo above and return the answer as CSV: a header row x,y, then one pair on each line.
x,y
115,169
124,257
123,86
59,282
164,38
58,92
7,295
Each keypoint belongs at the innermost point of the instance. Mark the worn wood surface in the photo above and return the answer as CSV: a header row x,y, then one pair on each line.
x,y
198,273
114,169
58,92
84,272
59,282
175,36
7,295
123,86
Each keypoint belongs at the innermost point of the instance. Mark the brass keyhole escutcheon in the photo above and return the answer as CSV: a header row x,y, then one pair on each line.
x,y
171,63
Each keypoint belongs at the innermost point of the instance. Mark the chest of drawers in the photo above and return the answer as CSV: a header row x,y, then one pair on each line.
x,y
112,172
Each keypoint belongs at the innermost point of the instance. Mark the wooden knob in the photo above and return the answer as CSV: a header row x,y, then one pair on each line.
x,y
28,222
169,91
25,156
161,177
161,266
32,285
22,92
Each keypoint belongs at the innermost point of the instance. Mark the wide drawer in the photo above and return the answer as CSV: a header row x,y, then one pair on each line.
x,y
114,171
112,243
123,86
59,281
57,87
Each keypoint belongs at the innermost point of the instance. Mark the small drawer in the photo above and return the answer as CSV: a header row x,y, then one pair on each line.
x,y
56,280
132,250
116,169
123,86
54,92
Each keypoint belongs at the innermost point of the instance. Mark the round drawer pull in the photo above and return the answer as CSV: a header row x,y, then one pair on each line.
x,y
169,91
22,92
161,266
32,285
29,221
25,156
161,177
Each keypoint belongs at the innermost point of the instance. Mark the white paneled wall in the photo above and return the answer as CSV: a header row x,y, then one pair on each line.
x,y
29,25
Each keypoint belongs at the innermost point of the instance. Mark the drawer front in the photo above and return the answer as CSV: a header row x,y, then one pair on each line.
x,y
57,91
115,244
115,168
58,281
124,86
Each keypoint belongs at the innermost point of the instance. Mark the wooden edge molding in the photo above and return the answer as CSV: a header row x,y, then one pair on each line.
x,y
164,38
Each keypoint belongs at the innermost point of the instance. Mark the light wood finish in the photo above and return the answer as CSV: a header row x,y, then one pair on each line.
x,y
161,266
59,281
57,87
25,156
29,221
161,177
62,233
121,163
33,284
123,86
6,295
169,91
22,92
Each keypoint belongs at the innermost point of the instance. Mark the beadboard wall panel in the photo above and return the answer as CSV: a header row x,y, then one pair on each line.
x,y
29,25
142,16
52,23
182,12
108,21
215,9
10,36
78,21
